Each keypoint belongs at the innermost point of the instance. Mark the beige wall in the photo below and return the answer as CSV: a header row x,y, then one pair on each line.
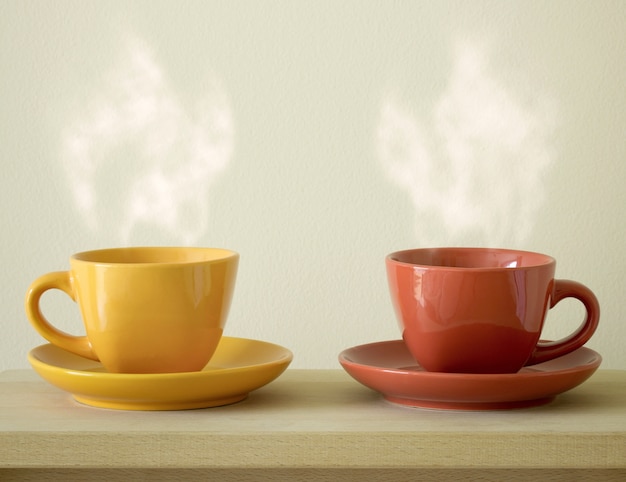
x,y
313,138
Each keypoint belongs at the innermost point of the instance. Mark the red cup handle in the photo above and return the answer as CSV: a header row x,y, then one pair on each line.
x,y
548,350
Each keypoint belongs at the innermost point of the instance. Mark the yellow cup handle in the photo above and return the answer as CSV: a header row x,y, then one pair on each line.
x,y
59,280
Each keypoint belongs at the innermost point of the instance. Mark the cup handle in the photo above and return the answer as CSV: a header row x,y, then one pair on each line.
x,y
548,350
60,280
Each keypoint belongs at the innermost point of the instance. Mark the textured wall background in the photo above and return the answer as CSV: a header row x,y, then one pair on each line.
x,y
314,138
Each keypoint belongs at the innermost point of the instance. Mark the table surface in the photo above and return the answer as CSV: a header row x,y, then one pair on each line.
x,y
312,419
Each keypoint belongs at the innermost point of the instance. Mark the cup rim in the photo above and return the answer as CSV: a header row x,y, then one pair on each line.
x,y
117,256
535,259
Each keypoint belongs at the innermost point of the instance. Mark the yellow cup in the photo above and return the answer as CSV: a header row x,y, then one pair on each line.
x,y
145,309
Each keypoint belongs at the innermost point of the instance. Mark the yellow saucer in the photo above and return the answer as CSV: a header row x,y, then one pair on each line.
x,y
238,366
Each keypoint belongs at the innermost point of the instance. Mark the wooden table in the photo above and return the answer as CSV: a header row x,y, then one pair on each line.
x,y
312,425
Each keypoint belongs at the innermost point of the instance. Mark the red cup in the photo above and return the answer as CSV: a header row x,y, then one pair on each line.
x,y
481,310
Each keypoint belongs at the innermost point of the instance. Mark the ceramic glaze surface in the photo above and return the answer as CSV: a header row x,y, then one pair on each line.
x,y
239,366
478,310
389,368
145,310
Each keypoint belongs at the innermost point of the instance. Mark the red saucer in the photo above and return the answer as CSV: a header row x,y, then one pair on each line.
x,y
389,368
